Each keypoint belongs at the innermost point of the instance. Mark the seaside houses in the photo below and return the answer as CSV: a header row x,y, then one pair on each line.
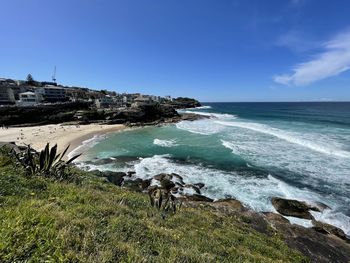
x,y
6,96
52,93
29,99
104,102
142,100
23,93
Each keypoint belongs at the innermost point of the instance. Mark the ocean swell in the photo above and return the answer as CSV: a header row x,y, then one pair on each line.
x,y
287,136
164,143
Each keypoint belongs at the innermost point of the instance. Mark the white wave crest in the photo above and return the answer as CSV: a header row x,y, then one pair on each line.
x,y
203,107
85,145
203,127
213,115
287,136
165,143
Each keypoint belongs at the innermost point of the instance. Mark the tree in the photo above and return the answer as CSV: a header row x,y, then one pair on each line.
x,y
30,79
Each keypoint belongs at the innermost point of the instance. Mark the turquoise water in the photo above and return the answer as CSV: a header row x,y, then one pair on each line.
x,y
249,151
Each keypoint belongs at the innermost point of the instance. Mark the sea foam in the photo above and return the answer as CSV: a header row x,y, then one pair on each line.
x,y
252,191
165,143
287,136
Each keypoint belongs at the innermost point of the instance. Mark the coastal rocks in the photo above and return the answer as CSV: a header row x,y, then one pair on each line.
x,y
182,103
294,208
328,229
116,178
198,198
229,205
42,114
167,184
319,207
193,117
317,246
137,185
160,177
12,146
199,185
274,218
193,187
176,183
131,173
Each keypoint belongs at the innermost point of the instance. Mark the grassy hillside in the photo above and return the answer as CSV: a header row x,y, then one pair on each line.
x,y
95,221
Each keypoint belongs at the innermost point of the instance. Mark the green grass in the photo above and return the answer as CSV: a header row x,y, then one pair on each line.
x,y
94,221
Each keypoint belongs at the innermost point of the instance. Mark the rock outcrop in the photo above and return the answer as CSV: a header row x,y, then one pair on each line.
x,y
82,113
294,208
182,103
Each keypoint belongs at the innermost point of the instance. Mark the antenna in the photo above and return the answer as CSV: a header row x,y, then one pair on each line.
x,y
54,75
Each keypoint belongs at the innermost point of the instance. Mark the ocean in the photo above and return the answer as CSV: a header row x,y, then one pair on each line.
x,y
247,151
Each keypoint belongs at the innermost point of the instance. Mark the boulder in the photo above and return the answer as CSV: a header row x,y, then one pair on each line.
x,y
162,176
288,207
275,218
116,178
167,184
319,206
131,173
195,188
198,198
178,178
199,185
229,205
328,229
97,173
159,177
137,185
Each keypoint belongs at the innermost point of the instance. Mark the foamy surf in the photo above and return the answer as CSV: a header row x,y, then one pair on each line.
x,y
287,136
203,107
203,127
86,145
213,115
254,192
164,143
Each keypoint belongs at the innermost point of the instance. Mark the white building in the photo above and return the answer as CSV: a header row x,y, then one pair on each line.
x,y
29,99
6,92
169,98
6,96
52,93
141,101
104,102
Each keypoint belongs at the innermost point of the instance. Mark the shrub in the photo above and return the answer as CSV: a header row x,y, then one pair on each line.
x,y
47,163
163,200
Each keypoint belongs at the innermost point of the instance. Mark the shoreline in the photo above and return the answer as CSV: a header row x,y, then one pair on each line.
x,y
63,135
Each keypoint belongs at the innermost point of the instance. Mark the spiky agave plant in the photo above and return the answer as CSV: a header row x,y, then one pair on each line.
x,y
164,200
47,163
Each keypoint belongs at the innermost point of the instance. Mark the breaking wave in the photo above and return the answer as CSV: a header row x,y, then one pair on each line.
x,y
254,192
203,107
288,136
165,143
213,115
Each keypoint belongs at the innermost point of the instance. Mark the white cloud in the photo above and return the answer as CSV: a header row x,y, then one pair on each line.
x,y
296,41
334,60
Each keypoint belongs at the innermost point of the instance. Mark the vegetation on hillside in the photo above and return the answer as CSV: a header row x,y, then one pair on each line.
x,y
91,220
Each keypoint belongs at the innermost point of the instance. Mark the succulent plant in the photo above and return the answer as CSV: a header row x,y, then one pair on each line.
x,y
47,163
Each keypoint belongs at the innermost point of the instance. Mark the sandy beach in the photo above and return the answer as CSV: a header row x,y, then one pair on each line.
x,y
63,135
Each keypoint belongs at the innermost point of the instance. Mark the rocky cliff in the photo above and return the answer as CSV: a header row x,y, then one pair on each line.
x,y
81,112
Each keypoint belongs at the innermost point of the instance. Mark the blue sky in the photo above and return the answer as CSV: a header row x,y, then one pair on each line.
x,y
213,50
